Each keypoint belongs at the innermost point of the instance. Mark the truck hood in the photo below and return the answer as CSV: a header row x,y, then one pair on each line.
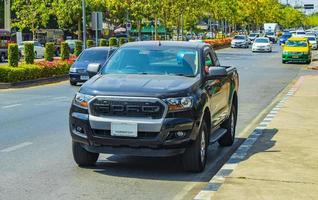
x,y
139,85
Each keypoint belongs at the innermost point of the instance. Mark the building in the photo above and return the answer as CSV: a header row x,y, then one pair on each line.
x,y
5,15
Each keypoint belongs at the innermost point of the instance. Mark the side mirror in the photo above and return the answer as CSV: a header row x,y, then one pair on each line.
x,y
283,45
92,69
217,72
310,45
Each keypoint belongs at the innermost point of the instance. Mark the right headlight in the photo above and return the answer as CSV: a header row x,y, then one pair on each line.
x,y
179,103
73,70
81,100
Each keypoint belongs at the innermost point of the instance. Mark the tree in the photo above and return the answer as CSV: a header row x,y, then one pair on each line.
x,y
68,13
31,14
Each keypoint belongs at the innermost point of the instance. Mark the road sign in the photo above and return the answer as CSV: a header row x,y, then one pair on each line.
x,y
309,6
128,26
97,21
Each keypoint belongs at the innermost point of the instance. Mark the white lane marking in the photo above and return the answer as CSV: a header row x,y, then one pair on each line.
x,y
57,98
13,148
11,106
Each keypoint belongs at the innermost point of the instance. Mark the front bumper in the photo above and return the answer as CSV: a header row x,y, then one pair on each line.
x,y
154,139
288,57
78,77
261,49
239,45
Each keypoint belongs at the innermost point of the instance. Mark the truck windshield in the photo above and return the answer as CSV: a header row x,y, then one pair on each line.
x,y
150,60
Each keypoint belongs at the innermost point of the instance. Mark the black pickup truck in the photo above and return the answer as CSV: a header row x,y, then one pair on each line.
x,y
156,99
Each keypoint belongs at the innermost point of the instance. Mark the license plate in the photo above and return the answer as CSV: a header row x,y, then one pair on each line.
x,y
84,78
295,56
123,129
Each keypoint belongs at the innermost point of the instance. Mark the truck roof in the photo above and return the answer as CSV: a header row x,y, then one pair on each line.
x,y
195,45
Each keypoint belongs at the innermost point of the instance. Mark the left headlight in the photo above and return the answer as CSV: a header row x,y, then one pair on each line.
x,y
82,100
179,103
73,70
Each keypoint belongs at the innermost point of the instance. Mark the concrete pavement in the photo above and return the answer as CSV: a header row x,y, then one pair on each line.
x,y
282,163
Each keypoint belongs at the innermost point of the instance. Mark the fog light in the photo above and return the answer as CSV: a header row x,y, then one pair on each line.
x,y
79,129
180,134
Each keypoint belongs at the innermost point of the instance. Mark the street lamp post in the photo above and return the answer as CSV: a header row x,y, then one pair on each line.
x,y
84,23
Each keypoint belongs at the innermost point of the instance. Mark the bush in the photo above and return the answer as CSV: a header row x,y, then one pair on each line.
x,y
122,41
43,69
13,55
65,51
131,39
29,52
78,47
113,42
89,43
103,42
49,51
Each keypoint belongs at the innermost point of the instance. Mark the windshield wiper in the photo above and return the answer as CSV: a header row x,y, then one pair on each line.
x,y
180,74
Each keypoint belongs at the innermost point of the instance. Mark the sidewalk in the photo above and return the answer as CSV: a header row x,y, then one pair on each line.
x,y
283,161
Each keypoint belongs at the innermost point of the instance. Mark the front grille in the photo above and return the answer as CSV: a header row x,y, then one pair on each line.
x,y
296,53
127,107
141,135
82,71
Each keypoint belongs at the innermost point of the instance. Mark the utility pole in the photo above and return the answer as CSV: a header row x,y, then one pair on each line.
x,y
84,23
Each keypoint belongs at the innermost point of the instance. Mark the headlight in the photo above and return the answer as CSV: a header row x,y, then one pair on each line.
x,y
82,100
73,70
179,104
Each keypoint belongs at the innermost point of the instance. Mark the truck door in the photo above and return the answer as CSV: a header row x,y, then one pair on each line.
x,y
214,89
225,90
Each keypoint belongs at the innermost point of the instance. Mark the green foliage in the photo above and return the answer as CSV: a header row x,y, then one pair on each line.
x,y
29,52
13,55
113,42
30,14
78,47
131,39
49,51
65,51
122,41
89,43
103,42
179,14
32,71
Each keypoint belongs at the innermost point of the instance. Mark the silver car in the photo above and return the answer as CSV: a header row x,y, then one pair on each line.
x,y
240,41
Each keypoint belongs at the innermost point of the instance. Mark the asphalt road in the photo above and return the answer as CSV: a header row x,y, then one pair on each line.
x,y
35,147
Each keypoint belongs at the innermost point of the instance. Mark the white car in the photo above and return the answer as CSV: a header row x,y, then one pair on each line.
x,y
240,41
38,49
262,44
313,41
300,34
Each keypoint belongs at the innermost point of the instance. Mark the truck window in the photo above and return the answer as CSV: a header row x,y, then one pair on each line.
x,y
208,63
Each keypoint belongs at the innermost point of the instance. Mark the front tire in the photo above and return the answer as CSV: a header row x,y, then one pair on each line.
x,y
228,138
74,83
83,157
194,158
